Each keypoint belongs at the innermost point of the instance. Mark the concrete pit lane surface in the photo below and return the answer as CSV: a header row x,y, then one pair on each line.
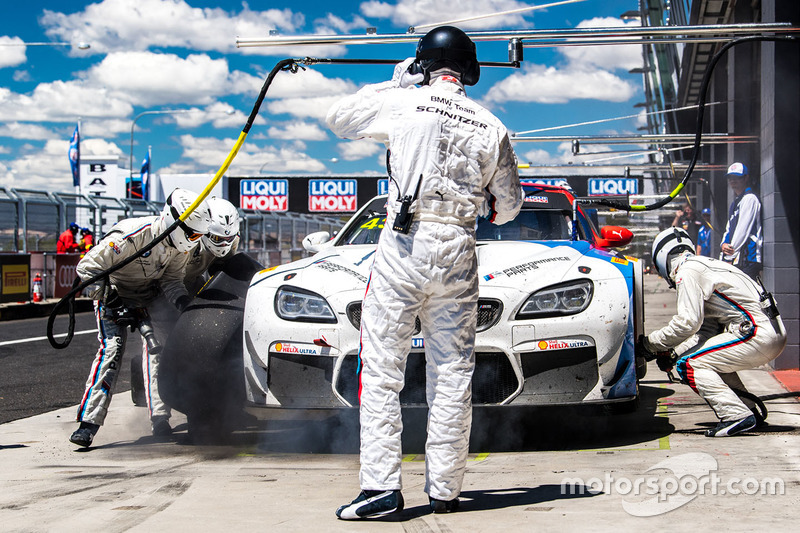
x,y
549,469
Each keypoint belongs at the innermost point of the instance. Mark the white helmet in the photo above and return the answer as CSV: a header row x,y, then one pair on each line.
x,y
224,228
187,235
667,245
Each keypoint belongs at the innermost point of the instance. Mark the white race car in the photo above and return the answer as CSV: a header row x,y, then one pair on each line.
x,y
558,315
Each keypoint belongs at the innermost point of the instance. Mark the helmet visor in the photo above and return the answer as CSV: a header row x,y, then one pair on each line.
x,y
219,239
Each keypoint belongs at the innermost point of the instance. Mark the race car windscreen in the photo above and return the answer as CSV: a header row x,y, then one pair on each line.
x,y
544,225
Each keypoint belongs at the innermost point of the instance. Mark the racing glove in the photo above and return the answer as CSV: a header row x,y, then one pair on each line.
x,y
117,312
403,76
182,302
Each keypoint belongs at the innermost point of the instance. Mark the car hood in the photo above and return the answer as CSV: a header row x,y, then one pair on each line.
x,y
328,272
517,264
500,264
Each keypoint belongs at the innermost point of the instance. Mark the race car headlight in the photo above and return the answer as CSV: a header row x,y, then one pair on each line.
x,y
564,299
292,303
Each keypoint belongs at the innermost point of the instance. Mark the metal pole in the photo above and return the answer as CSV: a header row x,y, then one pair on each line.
x,y
720,31
667,138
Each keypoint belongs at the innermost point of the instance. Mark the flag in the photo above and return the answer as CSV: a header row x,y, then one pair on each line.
x,y
145,176
74,154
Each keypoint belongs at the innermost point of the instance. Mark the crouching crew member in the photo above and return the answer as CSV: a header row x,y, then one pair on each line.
x,y
727,321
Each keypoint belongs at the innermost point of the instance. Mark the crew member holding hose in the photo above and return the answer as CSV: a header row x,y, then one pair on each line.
x,y
123,299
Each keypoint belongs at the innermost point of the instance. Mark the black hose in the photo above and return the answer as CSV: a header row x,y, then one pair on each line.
x,y
69,298
701,104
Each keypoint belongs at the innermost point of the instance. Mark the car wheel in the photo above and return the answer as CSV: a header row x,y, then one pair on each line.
x,y
621,408
137,382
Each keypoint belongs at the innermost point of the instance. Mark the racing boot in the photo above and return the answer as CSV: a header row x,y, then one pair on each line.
x,y
372,504
734,427
442,506
84,435
161,427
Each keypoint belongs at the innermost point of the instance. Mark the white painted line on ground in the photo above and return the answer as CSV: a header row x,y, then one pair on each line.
x,y
34,339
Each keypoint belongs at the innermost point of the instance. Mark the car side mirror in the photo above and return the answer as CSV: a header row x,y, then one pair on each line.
x,y
614,237
314,242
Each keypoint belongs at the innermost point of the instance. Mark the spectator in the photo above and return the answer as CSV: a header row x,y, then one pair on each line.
x,y
686,218
741,243
67,242
704,234
87,240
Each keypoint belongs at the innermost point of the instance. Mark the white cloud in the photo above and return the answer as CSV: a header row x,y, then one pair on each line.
x,y
21,75
208,153
150,79
12,51
334,24
309,83
48,168
316,107
298,130
115,25
551,85
219,114
20,130
354,150
61,101
417,12
611,57
100,127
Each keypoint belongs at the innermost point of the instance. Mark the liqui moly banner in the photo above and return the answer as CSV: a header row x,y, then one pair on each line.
x,y
332,195
613,186
383,186
264,195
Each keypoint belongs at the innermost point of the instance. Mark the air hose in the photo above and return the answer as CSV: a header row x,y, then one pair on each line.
x,y
69,298
623,205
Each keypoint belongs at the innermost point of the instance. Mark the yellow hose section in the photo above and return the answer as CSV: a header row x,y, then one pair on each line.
x,y
217,176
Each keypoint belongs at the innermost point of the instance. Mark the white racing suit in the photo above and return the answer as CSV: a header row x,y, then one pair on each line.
x,y
458,156
719,310
140,285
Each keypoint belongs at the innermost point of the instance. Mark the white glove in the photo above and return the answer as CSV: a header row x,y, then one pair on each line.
x,y
403,77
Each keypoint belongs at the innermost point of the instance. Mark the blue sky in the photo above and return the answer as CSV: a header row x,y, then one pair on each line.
x,y
181,54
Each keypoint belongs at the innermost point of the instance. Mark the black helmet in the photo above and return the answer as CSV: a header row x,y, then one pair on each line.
x,y
448,47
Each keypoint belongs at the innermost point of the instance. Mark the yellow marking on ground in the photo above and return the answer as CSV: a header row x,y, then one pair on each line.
x,y
420,458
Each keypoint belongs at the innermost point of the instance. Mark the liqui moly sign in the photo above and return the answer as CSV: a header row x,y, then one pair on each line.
x,y
613,186
383,187
332,196
264,195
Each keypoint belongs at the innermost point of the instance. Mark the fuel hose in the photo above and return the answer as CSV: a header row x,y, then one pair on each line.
x,y
701,104
68,299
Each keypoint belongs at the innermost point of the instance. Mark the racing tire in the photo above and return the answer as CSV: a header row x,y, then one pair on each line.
x,y
201,372
621,408
138,395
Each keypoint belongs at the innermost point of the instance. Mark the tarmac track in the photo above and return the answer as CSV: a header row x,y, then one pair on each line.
x,y
532,469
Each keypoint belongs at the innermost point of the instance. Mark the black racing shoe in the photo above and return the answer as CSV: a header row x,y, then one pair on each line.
x,y
442,506
371,504
84,435
734,427
161,427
